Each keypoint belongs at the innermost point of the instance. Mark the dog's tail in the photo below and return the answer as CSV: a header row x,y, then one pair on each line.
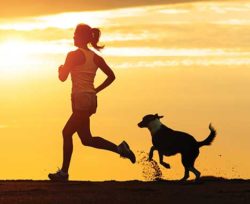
x,y
210,138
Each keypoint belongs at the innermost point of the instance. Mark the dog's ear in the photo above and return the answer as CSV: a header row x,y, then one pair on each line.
x,y
159,116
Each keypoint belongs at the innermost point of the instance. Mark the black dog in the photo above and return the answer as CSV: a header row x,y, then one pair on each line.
x,y
170,142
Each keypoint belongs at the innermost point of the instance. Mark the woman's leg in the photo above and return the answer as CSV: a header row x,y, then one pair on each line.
x,y
68,131
88,140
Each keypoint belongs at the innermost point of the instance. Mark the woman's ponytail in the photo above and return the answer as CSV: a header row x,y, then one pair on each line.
x,y
96,33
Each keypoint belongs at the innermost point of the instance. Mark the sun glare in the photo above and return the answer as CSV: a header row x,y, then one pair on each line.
x,y
14,53
19,56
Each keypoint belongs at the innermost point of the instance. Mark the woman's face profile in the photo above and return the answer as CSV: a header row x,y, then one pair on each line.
x,y
76,38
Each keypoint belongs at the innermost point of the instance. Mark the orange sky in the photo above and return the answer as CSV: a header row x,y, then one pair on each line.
x,y
188,61
15,8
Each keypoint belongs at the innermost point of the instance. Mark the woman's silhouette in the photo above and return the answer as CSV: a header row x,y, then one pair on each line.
x,y
82,64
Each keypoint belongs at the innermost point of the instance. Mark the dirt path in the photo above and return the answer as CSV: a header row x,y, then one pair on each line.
x,y
209,191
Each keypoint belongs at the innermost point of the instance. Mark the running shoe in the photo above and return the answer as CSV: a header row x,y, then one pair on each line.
x,y
126,152
59,176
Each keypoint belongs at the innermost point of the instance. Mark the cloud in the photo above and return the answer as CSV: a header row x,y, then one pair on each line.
x,y
151,51
184,62
3,126
197,25
202,33
17,8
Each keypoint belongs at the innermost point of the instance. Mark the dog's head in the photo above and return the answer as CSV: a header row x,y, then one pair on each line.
x,y
147,119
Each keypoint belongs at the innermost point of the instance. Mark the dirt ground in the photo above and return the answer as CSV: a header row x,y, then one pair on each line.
x,y
209,190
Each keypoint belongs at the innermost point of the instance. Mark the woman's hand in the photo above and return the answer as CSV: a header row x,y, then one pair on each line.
x,y
64,70
60,69
107,70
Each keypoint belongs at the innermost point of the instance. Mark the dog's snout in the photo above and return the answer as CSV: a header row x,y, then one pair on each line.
x,y
140,124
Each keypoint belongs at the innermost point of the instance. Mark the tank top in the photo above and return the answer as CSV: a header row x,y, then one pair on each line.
x,y
83,75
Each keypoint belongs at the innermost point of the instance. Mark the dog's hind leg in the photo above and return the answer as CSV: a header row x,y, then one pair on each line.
x,y
186,175
196,173
192,159
186,163
166,165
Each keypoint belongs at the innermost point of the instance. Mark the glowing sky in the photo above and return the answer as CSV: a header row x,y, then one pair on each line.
x,y
203,29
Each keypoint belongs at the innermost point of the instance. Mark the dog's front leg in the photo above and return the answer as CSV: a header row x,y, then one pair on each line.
x,y
151,153
166,165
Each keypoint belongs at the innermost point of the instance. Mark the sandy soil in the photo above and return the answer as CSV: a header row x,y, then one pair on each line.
x,y
210,190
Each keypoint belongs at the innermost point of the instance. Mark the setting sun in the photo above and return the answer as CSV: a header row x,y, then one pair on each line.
x,y
20,56
14,55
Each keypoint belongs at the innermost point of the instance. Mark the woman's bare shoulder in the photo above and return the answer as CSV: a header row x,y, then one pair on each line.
x,y
74,53
98,59
76,57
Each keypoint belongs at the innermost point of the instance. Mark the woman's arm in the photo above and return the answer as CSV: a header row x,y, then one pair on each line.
x,y
64,70
107,70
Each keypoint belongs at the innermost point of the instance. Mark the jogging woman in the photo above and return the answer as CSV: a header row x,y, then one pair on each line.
x,y
82,65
